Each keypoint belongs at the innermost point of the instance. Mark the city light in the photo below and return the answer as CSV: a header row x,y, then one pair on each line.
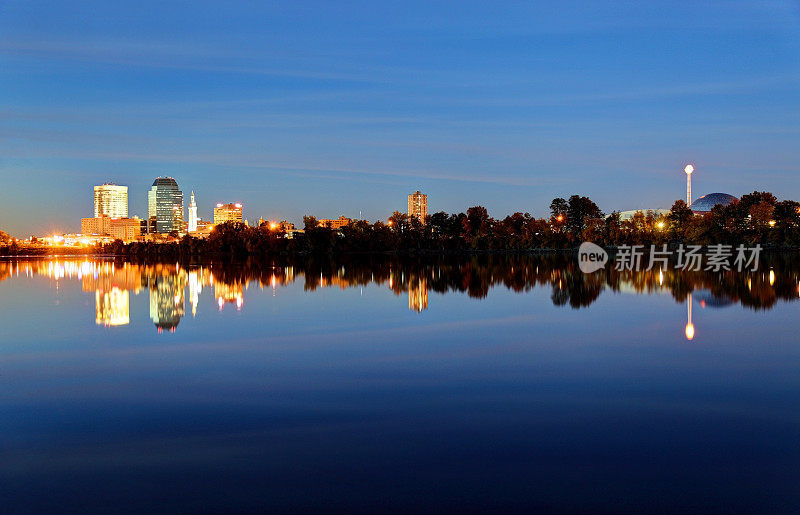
x,y
689,169
660,225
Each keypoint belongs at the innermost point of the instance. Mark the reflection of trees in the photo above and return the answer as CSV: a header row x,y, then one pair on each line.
x,y
474,275
5,270
575,288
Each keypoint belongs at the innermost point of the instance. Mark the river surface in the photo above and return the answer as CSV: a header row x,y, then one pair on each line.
x,y
363,385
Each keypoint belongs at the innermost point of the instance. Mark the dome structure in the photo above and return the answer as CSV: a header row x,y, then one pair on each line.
x,y
707,202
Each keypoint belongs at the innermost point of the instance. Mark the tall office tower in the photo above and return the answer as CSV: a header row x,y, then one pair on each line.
x,y
192,214
418,206
164,206
111,200
227,213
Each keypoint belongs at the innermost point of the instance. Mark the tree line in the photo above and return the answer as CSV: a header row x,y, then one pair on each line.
x,y
757,218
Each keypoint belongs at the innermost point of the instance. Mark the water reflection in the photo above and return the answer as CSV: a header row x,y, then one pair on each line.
x,y
170,285
112,307
167,285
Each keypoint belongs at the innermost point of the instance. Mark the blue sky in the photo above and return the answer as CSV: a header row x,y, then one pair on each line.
x,y
333,108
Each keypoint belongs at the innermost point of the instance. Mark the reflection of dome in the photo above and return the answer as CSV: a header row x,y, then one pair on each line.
x,y
709,300
705,203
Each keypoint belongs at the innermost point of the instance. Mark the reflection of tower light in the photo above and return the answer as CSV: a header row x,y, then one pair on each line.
x,y
689,324
195,288
418,295
771,277
112,307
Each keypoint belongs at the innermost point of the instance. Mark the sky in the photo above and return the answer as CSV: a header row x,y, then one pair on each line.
x,y
331,108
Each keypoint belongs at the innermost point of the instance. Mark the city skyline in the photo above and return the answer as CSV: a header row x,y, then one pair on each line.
x,y
165,197
416,206
291,109
363,256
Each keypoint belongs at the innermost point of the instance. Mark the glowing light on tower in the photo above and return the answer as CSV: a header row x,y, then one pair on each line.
x,y
689,169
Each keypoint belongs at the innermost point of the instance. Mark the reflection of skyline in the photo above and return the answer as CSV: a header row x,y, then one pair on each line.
x,y
171,285
112,307
195,289
418,295
167,300
229,294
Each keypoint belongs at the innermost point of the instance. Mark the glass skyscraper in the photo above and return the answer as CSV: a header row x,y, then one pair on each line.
x,y
164,206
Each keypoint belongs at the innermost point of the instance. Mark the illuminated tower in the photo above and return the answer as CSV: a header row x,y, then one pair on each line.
x,y
111,200
165,206
689,169
418,206
192,214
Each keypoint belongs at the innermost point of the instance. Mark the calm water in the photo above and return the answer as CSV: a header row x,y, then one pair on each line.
x,y
514,383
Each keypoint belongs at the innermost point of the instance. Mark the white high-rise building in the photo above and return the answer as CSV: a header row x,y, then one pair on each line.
x,y
192,214
111,200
